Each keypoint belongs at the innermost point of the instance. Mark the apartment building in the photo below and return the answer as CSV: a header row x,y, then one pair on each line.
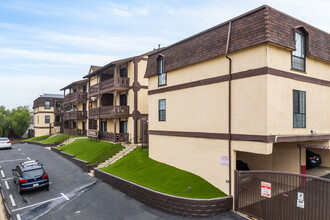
x,y
118,100
47,114
255,88
75,108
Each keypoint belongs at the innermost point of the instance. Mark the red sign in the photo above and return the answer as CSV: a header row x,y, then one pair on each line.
x,y
266,189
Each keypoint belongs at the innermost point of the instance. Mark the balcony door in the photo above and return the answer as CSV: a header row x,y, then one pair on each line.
x,y
123,99
103,126
123,126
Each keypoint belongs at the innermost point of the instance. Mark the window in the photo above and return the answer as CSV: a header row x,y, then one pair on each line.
x,y
160,71
162,110
123,99
47,119
299,109
47,104
298,56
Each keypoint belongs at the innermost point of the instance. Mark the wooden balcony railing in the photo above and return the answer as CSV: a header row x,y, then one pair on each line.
x,y
94,89
119,82
76,132
109,110
109,136
75,115
58,110
73,97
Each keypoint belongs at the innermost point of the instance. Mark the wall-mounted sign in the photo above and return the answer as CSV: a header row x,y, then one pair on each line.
x,y
300,200
266,189
224,160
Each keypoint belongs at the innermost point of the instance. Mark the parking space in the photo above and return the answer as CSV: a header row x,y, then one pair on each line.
x,y
72,194
24,206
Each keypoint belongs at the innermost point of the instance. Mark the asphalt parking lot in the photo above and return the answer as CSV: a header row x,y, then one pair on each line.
x,y
73,194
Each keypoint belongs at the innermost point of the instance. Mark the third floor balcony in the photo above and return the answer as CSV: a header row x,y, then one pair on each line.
x,y
121,83
75,97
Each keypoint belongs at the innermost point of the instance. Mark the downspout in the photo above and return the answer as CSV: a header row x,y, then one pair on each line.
x,y
229,107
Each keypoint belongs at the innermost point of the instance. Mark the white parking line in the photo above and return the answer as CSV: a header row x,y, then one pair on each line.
x,y
28,158
11,160
39,203
9,178
18,216
65,196
19,149
2,174
6,183
12,200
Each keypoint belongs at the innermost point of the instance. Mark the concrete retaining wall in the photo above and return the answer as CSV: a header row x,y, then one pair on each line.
x,y
168,203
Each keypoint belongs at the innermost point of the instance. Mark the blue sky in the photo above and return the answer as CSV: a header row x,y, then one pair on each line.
x,y
45,45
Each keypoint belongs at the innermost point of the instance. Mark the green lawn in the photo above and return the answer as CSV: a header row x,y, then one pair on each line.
x,y
90,150
37,138
139,168
58,138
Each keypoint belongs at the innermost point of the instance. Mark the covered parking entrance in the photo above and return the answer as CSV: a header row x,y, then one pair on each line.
x,y
321,149
276,195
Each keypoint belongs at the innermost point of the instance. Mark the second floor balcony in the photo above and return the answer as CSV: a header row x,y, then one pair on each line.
x,y
109,111
74,115
74,97
121,83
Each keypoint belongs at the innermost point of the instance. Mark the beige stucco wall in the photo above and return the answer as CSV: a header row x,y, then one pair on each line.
x,y
199,156
41,132
286,157
192,109
280,58
142,66
249,109
280,107
93,80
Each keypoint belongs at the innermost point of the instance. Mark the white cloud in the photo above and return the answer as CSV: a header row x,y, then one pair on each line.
x,y
21,90
73,58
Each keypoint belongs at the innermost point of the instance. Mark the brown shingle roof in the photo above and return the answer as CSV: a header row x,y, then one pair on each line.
x,y
74,83
263,24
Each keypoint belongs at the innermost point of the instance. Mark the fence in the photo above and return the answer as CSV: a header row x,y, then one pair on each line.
x,y
278,195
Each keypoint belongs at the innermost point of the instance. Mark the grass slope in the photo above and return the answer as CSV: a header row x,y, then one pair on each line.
x,y
139,168
58,138
89,150
37,138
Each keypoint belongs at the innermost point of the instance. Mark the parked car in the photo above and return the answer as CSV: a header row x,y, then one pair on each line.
x,y
5,143
312,159
30,175
244,178
240,165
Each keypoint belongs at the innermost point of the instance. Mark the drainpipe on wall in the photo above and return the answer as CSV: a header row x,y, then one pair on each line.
x,y
229,107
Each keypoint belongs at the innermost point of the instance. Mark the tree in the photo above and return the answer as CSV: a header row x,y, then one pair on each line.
x,y
14,123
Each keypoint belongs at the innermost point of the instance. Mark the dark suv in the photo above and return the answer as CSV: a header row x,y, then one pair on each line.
x,y
30,175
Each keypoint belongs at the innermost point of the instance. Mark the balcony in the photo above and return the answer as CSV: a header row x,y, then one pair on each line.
x,y
121,83
109,136
58,110
74,97
109,111
76,132
75,115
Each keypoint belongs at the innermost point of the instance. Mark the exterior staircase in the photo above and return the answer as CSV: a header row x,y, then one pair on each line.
x,y
70,140
127,149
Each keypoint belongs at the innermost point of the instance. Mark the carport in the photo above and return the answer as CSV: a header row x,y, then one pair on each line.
x,y
322,149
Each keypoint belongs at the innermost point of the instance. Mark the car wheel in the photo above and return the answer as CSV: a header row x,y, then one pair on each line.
x,y
19,189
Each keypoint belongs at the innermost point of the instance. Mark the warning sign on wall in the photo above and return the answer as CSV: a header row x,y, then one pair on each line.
x,y
224,160
266,189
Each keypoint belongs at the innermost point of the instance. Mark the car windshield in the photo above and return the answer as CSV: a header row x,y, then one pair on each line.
x,y
33,173
4,139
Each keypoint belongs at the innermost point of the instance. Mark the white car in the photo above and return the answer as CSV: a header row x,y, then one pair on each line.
x,y
5,143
